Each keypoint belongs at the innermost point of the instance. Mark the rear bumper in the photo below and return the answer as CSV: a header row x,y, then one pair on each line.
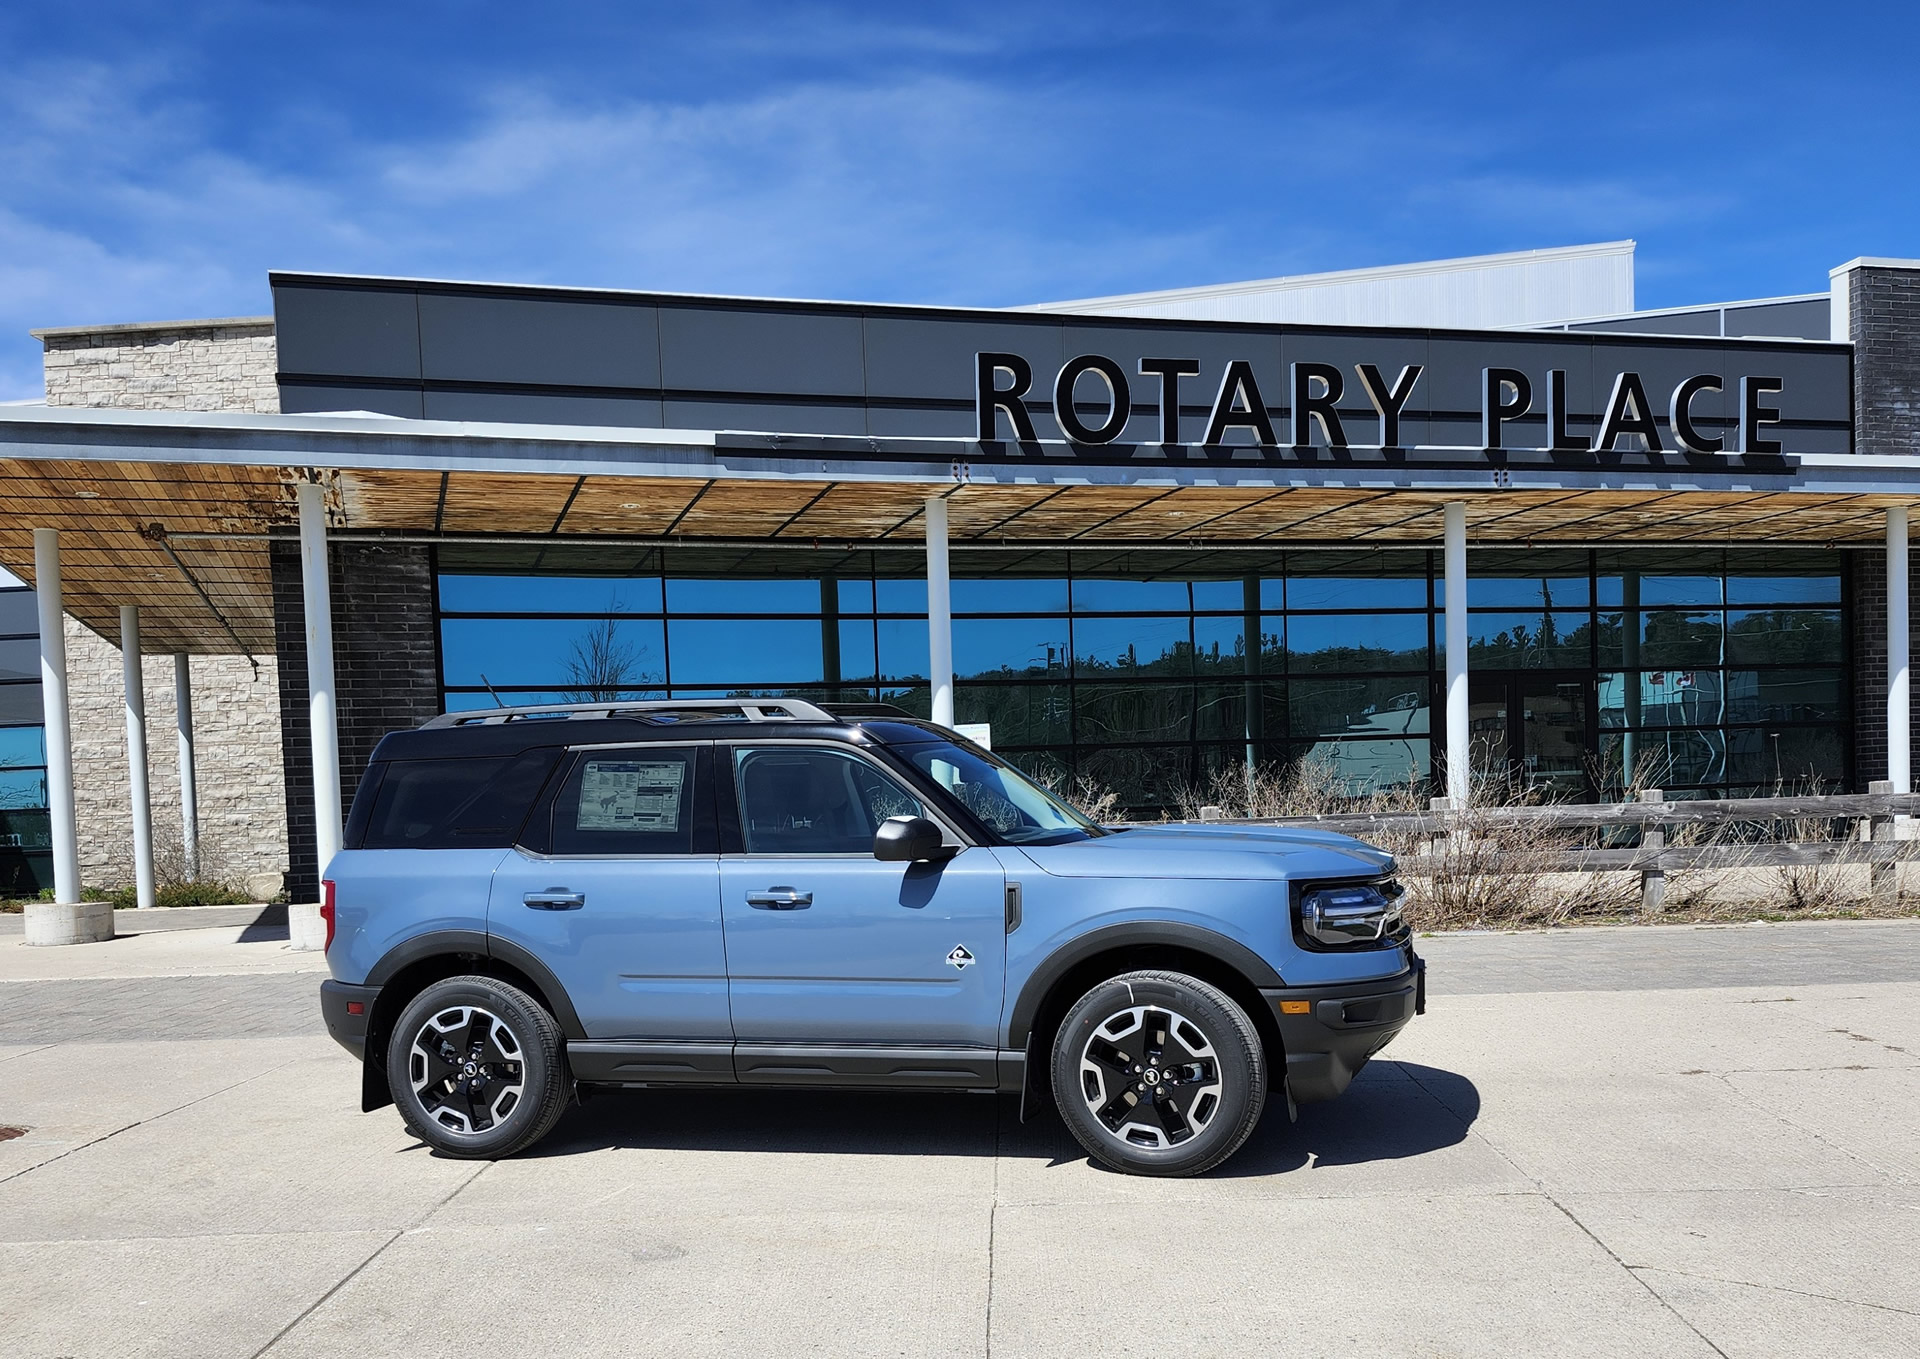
x,y
1329,1032
337,1006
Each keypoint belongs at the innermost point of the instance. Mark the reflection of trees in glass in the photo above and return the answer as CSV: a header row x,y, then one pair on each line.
x,y
1796,636
603,666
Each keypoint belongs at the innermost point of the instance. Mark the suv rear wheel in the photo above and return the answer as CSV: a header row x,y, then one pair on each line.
x,y
1158,1073
476,1068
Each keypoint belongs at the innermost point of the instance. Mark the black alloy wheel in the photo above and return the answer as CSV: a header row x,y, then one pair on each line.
x,y
1158,1073
476,1068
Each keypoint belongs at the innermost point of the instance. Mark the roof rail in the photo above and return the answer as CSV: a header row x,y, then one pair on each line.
x,y
749,709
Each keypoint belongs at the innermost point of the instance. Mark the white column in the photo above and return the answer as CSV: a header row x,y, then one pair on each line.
x,y
133,676
939,614
318,600
1899,656
189,790
53,699
1459,756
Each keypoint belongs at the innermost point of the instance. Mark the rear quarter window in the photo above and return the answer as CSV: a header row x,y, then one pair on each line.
x,y
454,804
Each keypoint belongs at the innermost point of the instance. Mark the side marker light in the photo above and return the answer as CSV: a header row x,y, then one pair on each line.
x,y
1296,1007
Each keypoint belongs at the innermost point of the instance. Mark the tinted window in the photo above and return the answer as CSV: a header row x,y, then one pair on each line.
x,y
799,801
452,804
633,801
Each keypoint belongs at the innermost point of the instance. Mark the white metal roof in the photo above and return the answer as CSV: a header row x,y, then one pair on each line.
x,y
1478,292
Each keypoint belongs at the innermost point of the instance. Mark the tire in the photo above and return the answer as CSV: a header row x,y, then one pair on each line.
x,y
477,1069
1132,1108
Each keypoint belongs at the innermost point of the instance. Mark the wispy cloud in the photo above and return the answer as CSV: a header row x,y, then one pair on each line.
x,y
994,151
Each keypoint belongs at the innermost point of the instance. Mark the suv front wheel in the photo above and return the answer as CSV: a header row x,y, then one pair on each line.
x,y
1158,1073
476,1068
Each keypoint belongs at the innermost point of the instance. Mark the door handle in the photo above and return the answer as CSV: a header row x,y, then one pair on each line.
x,y
780,899
555,899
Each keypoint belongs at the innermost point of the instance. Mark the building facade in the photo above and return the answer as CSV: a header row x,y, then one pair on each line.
x,y
1135,547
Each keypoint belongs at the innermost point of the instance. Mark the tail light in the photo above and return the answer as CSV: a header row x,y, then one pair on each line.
x,y
326,911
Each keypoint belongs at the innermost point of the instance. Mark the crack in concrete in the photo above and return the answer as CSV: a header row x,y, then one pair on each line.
x,y
1774,1288
1786,1122
141,1122
1542,1191
378,1251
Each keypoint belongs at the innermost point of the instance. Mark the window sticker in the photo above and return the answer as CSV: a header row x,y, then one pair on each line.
x,y
631,795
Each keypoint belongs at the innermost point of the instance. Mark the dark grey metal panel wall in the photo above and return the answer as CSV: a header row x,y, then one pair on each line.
x,y
549,356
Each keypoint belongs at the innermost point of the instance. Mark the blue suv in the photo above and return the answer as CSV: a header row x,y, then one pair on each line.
x,y
766,892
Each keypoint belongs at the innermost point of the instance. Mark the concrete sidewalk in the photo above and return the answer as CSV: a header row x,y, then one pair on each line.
x,y
1638,1168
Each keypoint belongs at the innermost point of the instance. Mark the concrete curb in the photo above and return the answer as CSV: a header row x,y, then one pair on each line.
x,y
61,922
171,918
306,931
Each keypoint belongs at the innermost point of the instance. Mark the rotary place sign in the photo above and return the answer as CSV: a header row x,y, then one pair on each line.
x,y
1515,411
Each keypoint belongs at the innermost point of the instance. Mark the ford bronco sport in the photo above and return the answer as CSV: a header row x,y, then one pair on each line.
x,y
766,892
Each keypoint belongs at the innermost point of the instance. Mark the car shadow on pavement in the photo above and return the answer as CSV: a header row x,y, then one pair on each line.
x,y
1392,1111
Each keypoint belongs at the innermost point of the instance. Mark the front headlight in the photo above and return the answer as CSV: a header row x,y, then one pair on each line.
x,y
1360,914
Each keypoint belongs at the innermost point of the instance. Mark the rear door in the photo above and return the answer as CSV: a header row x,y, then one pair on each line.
x,y
831,951
616,889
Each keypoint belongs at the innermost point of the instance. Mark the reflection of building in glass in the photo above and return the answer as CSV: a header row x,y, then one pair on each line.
x,y
1707,672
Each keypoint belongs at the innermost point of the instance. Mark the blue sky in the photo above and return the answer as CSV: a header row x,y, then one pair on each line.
x,y
156,160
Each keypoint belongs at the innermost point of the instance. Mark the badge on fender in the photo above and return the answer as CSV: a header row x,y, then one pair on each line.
x,y
960,958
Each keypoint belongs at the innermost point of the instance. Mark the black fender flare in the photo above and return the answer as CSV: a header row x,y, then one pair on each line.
x,y
438,943
1129,934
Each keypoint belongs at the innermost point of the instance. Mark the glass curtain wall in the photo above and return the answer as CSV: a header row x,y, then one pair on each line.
x,y
26,839
1144,671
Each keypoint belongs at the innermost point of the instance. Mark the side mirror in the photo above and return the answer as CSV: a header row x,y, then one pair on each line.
x,y
909,839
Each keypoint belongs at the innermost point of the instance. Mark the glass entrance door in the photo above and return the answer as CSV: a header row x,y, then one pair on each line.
x,y
1530,730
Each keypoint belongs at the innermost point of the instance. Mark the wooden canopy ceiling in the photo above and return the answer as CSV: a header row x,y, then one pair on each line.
x,y
138,532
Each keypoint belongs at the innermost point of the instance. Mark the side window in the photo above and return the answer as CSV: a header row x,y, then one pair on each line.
x,y
451,804
801,800
637,801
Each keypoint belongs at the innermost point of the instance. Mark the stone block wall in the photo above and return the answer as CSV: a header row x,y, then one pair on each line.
x,y
169,366
386,671
203,366
1867,579
242,813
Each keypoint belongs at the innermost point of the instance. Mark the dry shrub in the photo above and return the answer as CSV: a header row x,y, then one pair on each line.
x,y
1486,873
1482,874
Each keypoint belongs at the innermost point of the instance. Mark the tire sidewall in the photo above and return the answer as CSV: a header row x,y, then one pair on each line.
x,y
1241,1068
531,1027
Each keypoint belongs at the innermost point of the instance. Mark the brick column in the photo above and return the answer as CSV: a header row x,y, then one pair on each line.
x,y
386,667
1876,305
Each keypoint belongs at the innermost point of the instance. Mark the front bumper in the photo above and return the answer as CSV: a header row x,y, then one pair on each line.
x,y
1329,1032
338,1002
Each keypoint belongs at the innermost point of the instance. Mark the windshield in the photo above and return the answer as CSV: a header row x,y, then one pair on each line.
x,y
1000,797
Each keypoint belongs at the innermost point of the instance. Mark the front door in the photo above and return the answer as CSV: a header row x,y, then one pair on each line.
x,y
828,946
623,900
1531,731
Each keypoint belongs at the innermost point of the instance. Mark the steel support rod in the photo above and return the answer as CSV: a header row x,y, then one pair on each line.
x,y
1459,756
939,614
189,789
1899,656
133,676
317,595
53,699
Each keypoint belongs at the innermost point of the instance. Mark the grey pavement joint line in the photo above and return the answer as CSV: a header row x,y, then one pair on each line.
x,y
378,1251
138,1122
28,1051
1541,1189
1773,1288
993,1216
1805,1131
